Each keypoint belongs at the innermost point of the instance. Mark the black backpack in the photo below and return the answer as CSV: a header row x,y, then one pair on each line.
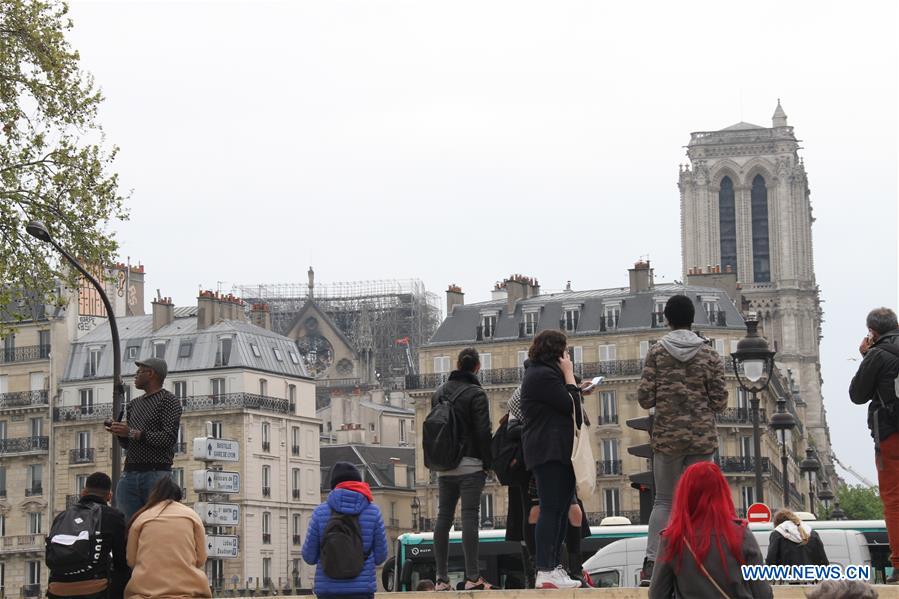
x,y
342,556
508,454
74,547
441,440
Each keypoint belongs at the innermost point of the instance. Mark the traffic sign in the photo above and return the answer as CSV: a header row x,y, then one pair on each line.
x,y
218,514
758,512
216,450
222,545
216,481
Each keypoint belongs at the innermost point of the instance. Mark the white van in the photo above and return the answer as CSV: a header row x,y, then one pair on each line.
x,y
619,563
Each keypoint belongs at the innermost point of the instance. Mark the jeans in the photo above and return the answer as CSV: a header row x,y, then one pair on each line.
x,y
451,488
666,472
555,488
887,460
134,488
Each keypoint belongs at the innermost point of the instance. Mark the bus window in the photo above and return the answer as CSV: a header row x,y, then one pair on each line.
x,y
607,578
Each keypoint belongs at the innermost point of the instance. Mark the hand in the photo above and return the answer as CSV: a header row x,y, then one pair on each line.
x,y
567,369
575,515
866,344
119,429
587,388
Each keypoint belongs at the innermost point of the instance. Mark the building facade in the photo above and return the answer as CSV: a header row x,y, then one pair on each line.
x,y
249,384
745,209
609,332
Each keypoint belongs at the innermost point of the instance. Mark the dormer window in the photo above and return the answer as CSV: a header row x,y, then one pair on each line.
x,y
255,349
530,322
223,352
93,361
570,317
159,349
488,324
659,312
711,309
610,315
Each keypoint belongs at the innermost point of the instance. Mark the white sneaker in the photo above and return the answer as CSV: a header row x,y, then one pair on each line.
x,y
555,579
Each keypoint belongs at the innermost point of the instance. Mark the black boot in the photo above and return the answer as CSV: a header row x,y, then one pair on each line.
x,y
646,572
530,568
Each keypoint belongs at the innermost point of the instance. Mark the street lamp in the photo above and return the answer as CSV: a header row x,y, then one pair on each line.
x,y
416,513
756,363
826,496
810,466
837,513
783,422
38,230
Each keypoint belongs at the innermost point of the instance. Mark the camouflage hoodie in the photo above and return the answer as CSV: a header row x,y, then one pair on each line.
x,y
683,379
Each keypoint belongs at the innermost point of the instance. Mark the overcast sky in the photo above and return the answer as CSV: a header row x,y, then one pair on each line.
x,y
464,141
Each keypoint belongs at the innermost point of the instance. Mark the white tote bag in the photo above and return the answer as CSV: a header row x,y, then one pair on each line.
x,y
582,458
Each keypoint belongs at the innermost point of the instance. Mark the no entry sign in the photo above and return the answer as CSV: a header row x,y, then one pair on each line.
x,y
758,512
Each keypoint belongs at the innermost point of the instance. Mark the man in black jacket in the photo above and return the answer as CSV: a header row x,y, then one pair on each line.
x,y
466,481
109,579
875,382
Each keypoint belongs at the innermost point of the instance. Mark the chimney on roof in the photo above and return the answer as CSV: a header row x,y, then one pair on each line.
x,y
213,308
641,277
163,312
519,287
724,279
454,297
400,473
261,316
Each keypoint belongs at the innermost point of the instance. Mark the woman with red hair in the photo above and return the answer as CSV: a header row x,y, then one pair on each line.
x,y
705,544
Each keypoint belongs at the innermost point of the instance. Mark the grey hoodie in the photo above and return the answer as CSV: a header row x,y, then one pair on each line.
x,y
682,344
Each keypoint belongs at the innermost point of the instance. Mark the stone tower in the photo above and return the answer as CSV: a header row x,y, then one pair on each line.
x,y
745,208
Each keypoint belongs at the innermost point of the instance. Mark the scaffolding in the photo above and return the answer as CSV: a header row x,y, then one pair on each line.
x,y
383,316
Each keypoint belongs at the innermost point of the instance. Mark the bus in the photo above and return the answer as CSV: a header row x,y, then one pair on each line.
x,y
500,561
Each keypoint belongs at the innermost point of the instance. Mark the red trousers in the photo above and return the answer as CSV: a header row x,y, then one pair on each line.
x,y
888,479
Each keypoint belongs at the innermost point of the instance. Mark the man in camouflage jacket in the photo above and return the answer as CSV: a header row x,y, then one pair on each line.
x,y
683,379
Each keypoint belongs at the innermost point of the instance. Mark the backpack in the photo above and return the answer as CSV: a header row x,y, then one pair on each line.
x,y
342,554
508,454
74,547
890,348
441,440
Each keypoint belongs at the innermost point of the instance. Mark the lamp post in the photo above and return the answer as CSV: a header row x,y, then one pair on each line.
x,y
826,496
753,365
416,513
783,422
810,466
38,230
837,513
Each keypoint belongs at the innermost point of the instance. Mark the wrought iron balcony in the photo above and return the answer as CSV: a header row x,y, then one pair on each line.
x,y
31,590
295,450
608,467
742,464
394,522
500,376
297,540
81,455
34,491
24,445
181,448
23,399
196,403
296,493
25,353
266,491
22,544
741,416
266,538
605,419
266,446
97,411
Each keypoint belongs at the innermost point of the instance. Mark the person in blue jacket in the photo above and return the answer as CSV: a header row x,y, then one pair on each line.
x,y
349,495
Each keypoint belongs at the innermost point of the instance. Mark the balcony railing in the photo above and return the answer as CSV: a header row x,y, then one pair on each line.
x,y
81,455
22,544
741,416
23,399
296,493
266,491
25,353
96,411
297,540
742,464
266,446
295,450
34,491
181,448
197,403
500,376
607,419
266,538
394,522
24,444
608,467
594,518
31,590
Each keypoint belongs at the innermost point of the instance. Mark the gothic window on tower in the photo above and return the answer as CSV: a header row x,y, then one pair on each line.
x,y
727,221
761,257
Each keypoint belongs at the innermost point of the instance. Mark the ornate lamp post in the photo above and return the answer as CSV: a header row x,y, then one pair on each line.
x,y
38,230
809,466
753,365
837,513
416,513
783,422
826,496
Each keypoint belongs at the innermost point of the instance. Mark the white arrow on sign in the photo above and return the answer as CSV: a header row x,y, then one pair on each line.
x,y
216,450
222,545
216,481
218,514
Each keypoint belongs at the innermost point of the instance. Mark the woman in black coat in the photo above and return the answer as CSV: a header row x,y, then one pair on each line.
x,y
793,543
551,408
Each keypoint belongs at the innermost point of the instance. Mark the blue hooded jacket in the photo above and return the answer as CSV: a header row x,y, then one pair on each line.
x,y
374,543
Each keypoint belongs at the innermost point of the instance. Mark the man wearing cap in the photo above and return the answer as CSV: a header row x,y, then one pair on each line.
x,y
148,434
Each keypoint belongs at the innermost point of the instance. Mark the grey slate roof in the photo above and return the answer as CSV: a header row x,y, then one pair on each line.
x,y
741,126
636,312
137,331
387,409
375,459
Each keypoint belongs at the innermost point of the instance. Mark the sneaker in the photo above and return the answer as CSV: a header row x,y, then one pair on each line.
x,y
442,585
478,585
646,573
555,579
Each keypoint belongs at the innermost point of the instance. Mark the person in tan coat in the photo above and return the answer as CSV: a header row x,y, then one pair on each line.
x,y
166,548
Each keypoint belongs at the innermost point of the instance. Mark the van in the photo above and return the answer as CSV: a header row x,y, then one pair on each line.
x,y
845,542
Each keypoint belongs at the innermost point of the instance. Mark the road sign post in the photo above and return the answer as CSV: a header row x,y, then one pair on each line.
x,y
758,512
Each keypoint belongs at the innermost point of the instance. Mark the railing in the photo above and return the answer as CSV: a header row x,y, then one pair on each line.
x,y
25,353
97,411
266,491
241,401
741,416
339,383
23,399
742,464
31,590
608,467
594,518
34,491
296,493
266,538
266,446
81,455
608,419
24,444
22,544
181,448
394,522
3,493
297,540
295,450
499,376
